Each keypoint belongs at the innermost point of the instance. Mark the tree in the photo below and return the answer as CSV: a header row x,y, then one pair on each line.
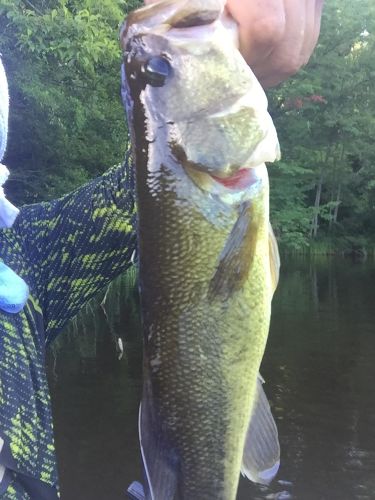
x,y
325,122
66,123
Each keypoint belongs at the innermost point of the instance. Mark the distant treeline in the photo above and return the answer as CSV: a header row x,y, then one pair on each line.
x,y
323,189
67,122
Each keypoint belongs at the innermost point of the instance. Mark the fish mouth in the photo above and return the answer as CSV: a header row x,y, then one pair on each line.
x,y
233,178
244,178
243,184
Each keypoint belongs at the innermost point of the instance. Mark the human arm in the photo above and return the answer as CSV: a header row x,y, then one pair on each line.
x,y
76,245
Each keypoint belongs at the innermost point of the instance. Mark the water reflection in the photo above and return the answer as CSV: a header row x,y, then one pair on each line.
x,y
320,379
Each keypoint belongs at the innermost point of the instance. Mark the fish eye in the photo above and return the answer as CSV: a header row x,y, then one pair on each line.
x,y
156,70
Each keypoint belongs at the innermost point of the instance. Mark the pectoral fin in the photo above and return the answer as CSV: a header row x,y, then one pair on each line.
x,y
261,458
158,460
237,256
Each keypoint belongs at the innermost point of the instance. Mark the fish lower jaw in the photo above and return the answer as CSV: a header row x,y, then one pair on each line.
x,y
245,184
243,179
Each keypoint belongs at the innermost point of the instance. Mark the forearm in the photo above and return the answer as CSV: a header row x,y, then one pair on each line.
x,y
79,244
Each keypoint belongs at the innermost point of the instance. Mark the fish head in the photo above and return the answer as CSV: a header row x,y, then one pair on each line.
x,y
187,83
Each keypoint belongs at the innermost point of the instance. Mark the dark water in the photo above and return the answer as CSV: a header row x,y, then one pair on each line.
x,y
320,373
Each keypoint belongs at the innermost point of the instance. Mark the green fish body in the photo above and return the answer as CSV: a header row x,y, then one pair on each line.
x,y
208,261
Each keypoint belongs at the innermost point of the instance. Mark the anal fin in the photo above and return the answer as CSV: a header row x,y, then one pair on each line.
x,y
261,458
274,258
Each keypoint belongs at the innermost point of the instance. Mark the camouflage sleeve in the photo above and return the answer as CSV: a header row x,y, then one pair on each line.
x,y
77,244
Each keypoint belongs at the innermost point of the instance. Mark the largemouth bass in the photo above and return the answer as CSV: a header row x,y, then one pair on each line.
x,y
208,260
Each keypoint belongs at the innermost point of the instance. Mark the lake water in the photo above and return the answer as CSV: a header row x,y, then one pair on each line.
x,y
320,372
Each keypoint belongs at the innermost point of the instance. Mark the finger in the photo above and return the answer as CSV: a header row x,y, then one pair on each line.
x,y
286,58
313,19
261,26
318,20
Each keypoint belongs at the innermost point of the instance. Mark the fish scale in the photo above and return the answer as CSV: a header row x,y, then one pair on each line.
x,y
209,435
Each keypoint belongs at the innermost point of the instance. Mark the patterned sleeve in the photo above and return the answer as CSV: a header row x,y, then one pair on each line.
x,y
76,245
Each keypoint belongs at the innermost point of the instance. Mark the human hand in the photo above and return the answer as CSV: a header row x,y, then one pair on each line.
x,y
277,37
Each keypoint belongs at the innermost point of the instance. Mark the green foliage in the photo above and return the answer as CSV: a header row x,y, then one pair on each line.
x,y
67,123
326,126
